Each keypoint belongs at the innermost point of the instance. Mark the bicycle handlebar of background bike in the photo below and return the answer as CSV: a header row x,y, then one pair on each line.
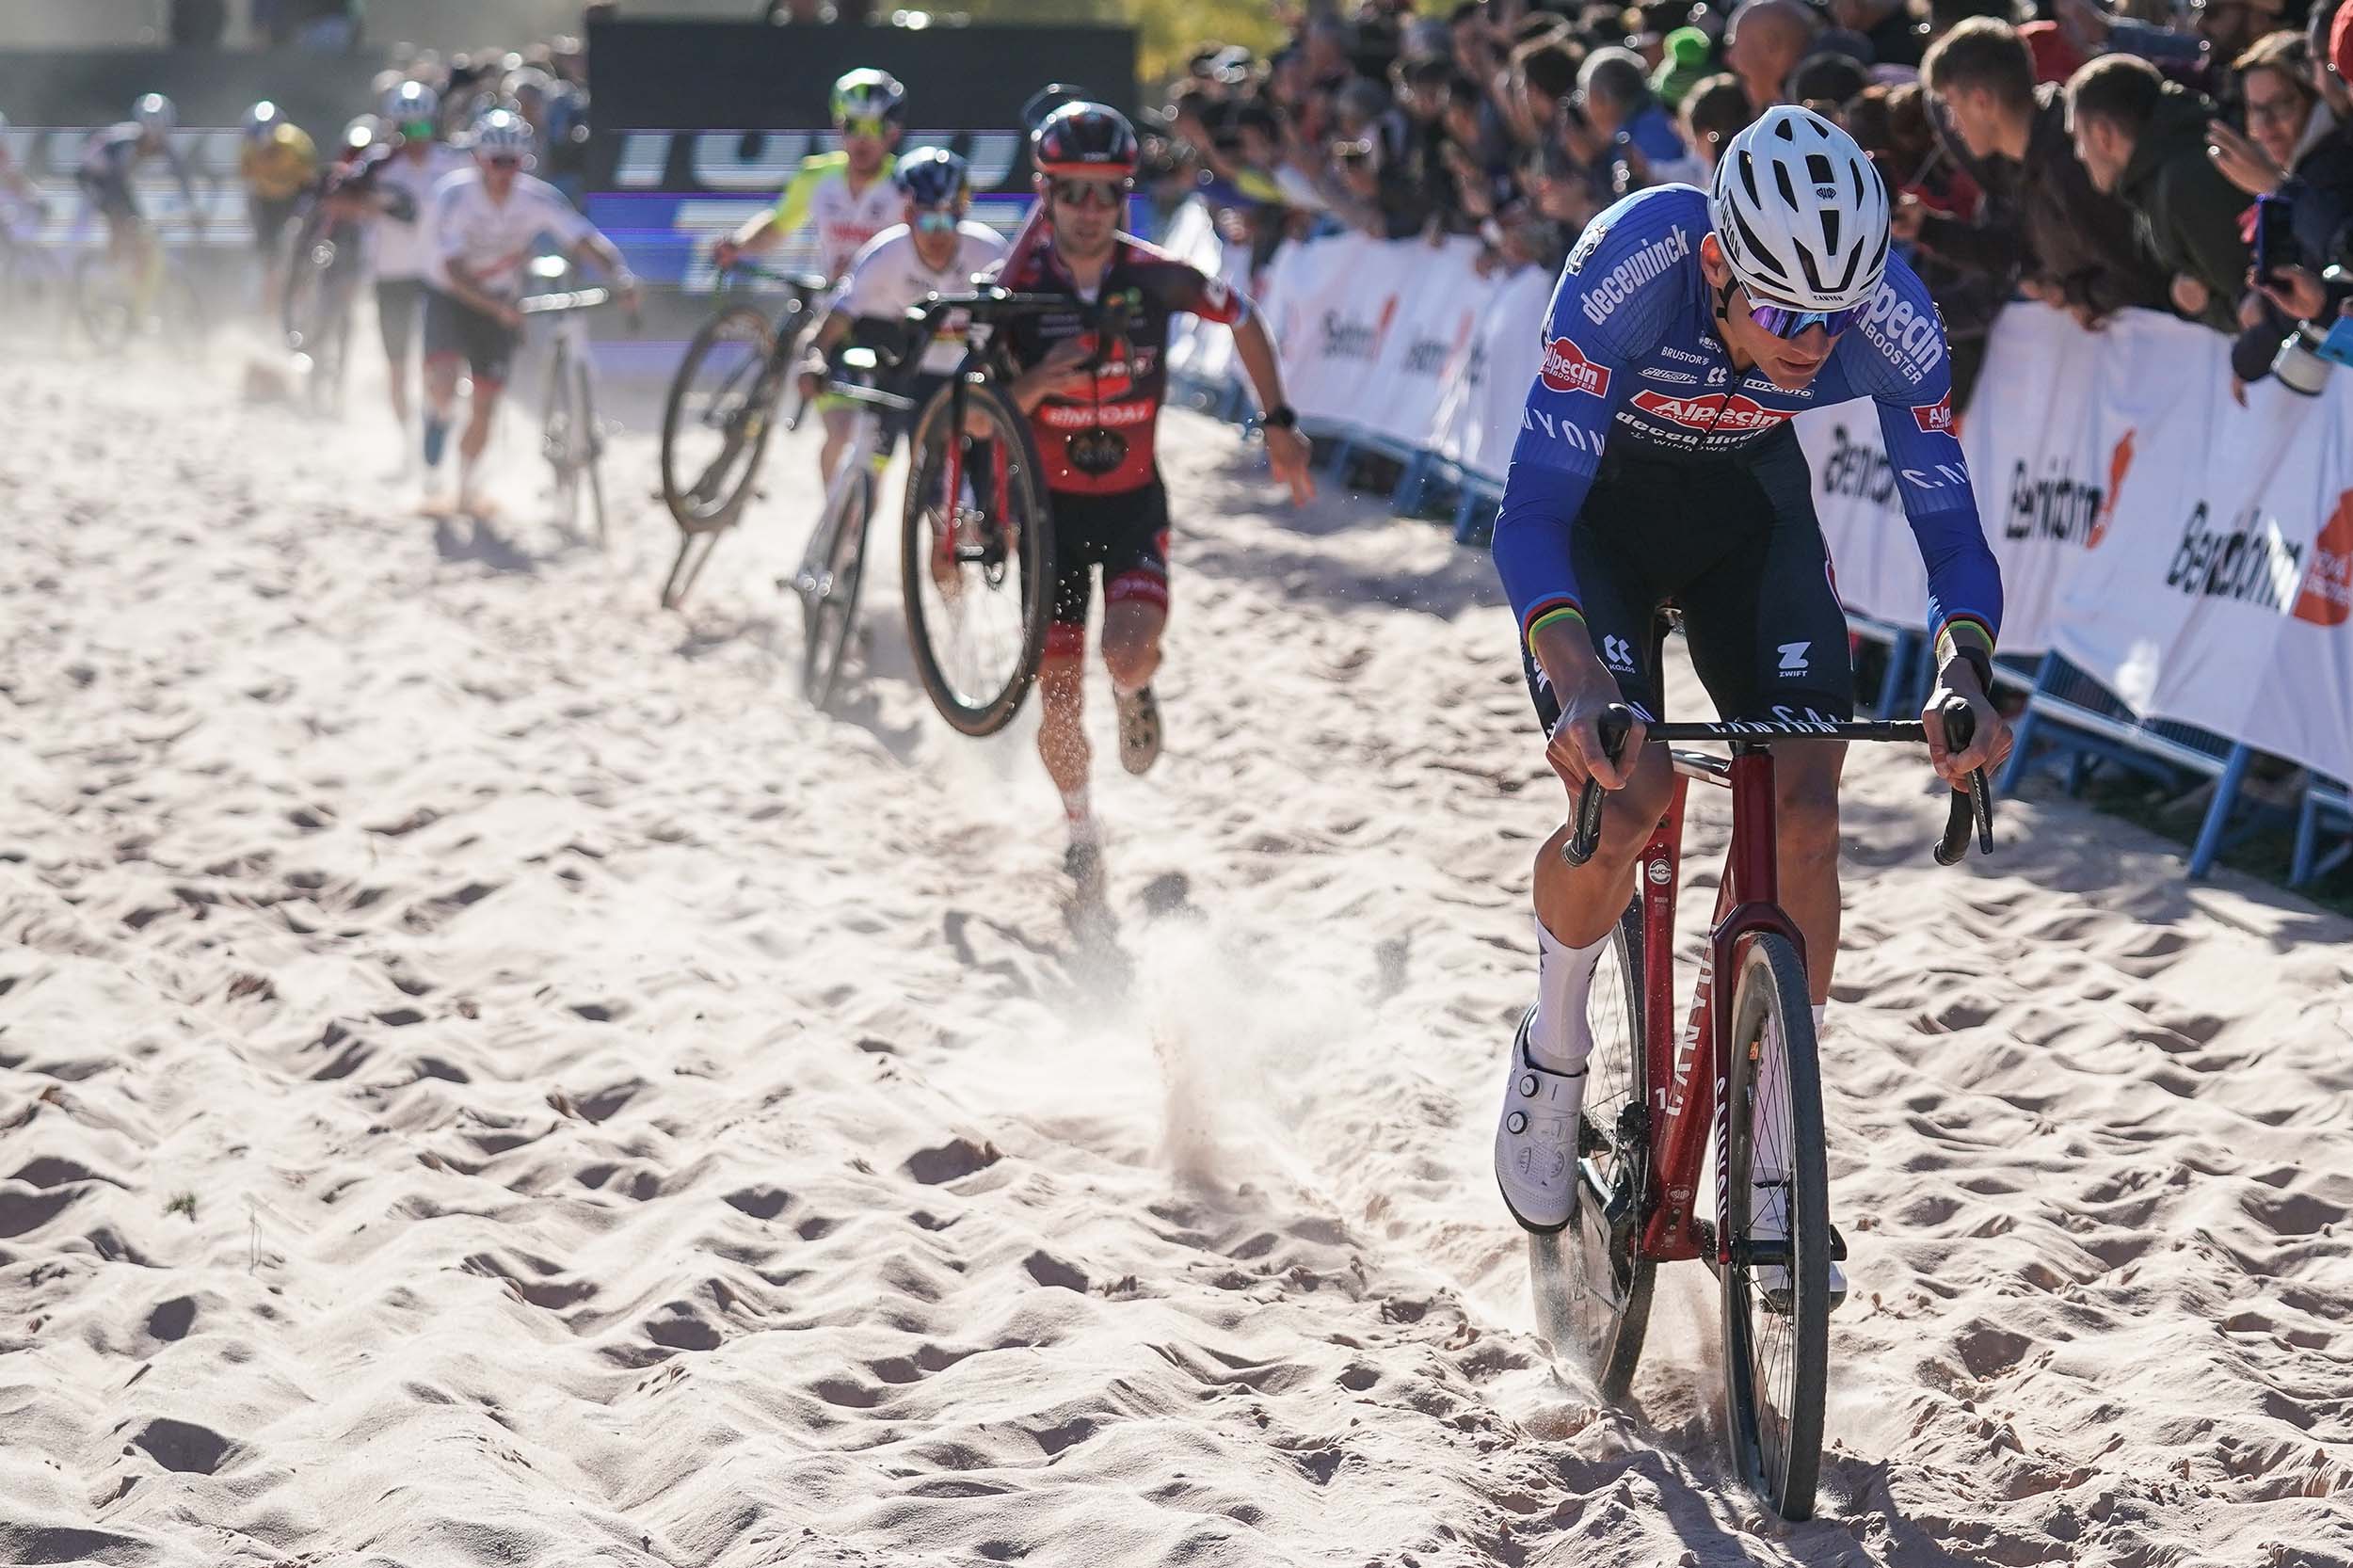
x,y
800,283
1974,804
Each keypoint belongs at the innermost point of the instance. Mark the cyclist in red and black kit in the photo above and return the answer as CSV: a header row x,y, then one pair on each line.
x,y
1092,385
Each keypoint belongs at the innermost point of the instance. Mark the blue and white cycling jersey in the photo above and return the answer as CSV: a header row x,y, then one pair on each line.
x,y
1631,358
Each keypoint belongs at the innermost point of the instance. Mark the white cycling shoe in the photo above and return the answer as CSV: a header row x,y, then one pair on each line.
x,y
1768,1221
1536,1140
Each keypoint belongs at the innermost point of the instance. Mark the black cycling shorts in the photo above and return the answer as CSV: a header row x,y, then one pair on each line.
x,y
456,329
1126,535
110,194
270,216
1733,543
397,302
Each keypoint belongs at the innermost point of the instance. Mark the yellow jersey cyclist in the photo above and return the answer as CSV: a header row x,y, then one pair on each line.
x,y
276,165
847,196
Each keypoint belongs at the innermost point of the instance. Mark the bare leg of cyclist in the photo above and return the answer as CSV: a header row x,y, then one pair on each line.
x,y
1061,742
441,405
472,444
840,425
1577,908
1131,650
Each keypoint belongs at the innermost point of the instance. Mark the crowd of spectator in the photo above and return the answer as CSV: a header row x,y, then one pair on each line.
x,y
2088,158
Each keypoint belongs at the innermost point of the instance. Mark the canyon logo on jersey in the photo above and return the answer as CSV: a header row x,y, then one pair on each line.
x,y
1567,369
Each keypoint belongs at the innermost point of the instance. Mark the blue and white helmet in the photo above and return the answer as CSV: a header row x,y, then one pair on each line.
x,y
410,104
505,134
156,113
933,177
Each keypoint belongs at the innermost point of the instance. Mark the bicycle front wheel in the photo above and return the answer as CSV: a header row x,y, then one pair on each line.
x,y
588,443
1593,1291
829,603
1776,1226
717,419
976,558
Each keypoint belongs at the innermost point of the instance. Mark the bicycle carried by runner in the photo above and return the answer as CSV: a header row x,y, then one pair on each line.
x,y
722,409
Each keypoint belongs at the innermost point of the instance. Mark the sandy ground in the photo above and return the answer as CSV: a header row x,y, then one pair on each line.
x,y
486,1074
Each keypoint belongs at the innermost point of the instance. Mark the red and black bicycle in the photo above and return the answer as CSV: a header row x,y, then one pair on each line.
x,y
1746,1072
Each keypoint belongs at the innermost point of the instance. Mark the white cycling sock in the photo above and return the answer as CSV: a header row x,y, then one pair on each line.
x,y
1558,1038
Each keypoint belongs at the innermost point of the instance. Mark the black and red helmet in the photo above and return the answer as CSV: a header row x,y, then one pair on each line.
x,y
1080,140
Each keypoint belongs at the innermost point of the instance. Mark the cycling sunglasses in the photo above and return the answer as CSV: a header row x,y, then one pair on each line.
x,y
877,129
418,130
935,221
504,160
1788,321
1084,193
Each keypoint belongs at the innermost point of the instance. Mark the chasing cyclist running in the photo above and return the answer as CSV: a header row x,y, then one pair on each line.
x,y
110,159
1093,405
848,196
402,232
1655,463
486,222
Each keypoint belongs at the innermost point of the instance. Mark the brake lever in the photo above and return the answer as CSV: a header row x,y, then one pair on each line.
x,y
1974,804
1585,836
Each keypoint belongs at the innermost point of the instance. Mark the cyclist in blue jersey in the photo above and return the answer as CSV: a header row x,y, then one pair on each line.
x,y
1655,464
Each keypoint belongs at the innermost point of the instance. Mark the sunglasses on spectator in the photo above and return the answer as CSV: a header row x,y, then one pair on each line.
x,y
1788,321
1086,194
935,221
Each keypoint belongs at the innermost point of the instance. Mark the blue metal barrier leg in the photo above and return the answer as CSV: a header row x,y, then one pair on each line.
x,y
2225,795
1406,498
2307,833
1892,684
2026,726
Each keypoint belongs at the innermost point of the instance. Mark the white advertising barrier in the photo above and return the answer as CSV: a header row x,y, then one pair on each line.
x,y
2216,585
1197,350
2035,463
1422,340
1479,410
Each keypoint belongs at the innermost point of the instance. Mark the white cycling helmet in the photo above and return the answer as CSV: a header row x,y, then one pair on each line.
x,y
156,112
410,104
259,119
505,134
1800,213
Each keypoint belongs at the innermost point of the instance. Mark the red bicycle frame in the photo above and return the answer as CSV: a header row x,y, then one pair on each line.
x,y
1686,1076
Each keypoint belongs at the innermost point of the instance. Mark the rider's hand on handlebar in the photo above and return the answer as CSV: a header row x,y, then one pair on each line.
x,y
725,253
1987,747
1583,689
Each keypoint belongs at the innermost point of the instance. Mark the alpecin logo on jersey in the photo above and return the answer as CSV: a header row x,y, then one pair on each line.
x,y
1737,413
1613,288
1915,340
1934,418
1567,369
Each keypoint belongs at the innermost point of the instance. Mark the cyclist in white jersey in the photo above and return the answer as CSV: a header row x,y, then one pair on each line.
x,y
487,222
403,234
849,198
936,250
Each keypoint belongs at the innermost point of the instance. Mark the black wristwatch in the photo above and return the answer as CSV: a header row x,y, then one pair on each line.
x,y
1281,417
